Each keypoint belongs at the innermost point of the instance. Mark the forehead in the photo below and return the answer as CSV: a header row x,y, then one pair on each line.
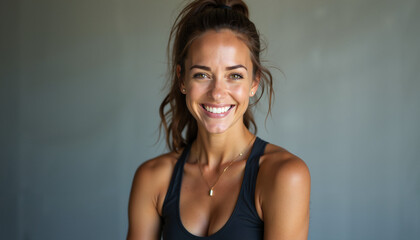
x,y
218,47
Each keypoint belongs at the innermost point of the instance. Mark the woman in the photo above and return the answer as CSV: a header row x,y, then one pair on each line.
x,y
219,181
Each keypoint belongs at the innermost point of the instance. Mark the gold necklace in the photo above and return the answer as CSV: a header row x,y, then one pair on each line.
x,y
211,188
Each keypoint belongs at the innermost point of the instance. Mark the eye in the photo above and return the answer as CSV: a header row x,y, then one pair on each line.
x,y
200,75
236,76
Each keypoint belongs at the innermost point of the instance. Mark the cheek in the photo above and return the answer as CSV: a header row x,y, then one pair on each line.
x,y
196,90
240,91
195,94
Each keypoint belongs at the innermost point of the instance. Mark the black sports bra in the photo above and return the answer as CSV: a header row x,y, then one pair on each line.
x,y
244,223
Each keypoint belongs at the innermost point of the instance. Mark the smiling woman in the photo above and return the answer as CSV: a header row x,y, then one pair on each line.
x,y
219,181
218,81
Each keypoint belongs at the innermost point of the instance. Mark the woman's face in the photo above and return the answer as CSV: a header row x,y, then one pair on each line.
x,y
218,80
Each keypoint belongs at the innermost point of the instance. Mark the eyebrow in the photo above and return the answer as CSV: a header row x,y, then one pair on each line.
x,y
200,67
227,68
236,66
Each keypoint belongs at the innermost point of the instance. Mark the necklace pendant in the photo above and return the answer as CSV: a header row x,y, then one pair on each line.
x,y
211,193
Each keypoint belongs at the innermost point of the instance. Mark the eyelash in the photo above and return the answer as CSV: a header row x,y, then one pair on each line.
x,y
200,75
235,76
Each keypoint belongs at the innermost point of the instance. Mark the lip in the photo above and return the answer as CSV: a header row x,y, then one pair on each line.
x,y
217,115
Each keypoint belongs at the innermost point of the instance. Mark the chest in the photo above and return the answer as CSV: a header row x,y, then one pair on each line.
x,y
202,214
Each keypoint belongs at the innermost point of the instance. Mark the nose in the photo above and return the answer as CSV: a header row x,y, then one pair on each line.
x,y
218,89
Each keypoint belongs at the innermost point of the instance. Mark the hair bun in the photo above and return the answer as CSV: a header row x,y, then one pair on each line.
x,y
204,5
240,6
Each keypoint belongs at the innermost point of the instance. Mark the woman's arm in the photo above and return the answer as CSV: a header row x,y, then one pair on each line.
x,y
149,185
285,199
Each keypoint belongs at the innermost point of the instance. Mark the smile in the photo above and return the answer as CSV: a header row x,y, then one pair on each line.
x,y
218,110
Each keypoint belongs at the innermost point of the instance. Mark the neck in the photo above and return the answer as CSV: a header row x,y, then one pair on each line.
x,y
215,150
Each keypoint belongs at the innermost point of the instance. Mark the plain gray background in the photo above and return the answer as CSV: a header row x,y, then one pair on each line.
x,y
81,84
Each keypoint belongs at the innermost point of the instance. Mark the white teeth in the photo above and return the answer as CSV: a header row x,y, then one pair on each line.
x,y
216,110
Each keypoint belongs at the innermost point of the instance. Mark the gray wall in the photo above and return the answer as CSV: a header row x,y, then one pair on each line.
x,y
80,88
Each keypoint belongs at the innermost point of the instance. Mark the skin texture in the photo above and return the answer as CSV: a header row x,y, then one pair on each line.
x,y
218,72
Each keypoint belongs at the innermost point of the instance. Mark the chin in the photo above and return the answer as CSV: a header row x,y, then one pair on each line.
x,y
216,128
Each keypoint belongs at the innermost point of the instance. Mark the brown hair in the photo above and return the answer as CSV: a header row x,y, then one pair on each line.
x,y
196,18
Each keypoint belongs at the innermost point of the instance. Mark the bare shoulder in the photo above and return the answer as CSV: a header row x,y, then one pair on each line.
x,y
281,173
277,162
283,193
152,178
157,166
148,191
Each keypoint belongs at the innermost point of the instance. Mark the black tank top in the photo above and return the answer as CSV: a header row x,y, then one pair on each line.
x,y
244,223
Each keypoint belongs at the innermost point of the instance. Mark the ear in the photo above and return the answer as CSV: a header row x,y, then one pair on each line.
x,y
178,71
181,81
254,85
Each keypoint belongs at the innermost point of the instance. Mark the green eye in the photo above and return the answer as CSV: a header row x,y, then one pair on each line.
x,y
200,75
236,76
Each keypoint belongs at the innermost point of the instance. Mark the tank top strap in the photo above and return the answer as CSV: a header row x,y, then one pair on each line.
x,y
250,176
176,179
